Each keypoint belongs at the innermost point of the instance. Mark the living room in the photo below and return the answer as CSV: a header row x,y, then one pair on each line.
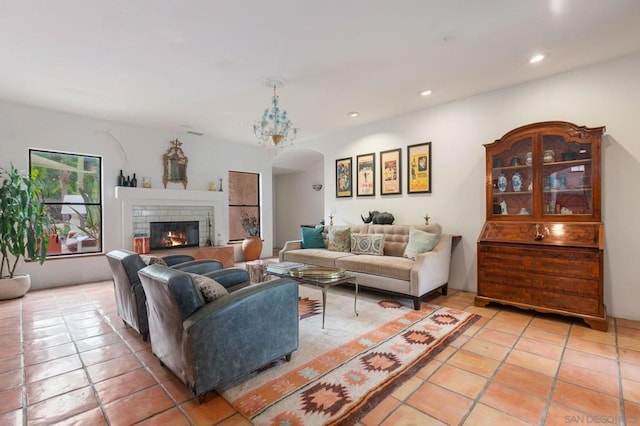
x,y
602,93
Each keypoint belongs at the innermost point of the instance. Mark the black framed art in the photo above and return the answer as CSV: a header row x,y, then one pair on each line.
x,y
344,177
391,172
419,165
366,175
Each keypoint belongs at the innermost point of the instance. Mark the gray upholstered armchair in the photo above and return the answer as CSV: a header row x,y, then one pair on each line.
x,y
130,297
210,344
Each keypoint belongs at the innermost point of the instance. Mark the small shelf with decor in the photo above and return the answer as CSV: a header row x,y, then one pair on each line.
x,y
542,245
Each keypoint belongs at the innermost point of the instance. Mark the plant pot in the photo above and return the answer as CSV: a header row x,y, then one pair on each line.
x,y
12,288
55,244
251,248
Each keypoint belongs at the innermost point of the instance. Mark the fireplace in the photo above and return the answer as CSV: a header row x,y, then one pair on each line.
x,y
174,234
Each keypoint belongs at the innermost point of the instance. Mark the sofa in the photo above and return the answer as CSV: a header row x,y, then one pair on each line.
x,y
210,340
388,270
130,297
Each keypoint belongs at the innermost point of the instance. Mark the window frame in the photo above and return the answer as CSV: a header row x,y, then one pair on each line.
x,y
84,234
232,217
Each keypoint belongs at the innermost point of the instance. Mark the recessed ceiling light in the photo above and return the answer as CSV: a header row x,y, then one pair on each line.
x,y
354,114
536,58
425,93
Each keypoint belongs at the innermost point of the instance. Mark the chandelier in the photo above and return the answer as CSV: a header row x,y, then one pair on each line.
x,y
275,125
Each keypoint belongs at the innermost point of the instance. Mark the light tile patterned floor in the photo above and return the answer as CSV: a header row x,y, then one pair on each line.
x,y
65,357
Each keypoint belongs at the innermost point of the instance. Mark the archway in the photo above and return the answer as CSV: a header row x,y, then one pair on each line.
x,y
298,200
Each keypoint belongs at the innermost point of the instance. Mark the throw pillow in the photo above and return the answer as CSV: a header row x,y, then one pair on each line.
x,y
312,237
367,244
419,242
153,260
210,288
339,239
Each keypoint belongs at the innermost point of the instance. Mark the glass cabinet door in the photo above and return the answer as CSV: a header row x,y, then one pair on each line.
x,y
512,179
566,177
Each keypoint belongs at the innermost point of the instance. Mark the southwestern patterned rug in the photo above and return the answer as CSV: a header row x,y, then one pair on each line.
x,y
340,373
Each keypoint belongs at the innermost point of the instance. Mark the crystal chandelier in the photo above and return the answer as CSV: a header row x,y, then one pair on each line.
x,y
275,124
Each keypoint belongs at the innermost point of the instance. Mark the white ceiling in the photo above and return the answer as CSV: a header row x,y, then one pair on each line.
x,y
201,65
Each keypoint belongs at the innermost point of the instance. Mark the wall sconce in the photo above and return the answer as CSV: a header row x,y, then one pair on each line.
x,y
317,186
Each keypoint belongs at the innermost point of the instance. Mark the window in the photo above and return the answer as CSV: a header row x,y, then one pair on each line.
x,y
73,193
244,197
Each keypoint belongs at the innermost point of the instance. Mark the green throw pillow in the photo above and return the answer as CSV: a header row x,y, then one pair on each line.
x,y
339,239
312,237
419,242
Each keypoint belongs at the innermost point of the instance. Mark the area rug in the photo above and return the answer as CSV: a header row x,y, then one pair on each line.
x,y
341,372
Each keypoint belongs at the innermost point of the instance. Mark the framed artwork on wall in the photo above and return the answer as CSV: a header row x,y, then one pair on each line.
x,y
366,175
343,177
390,172
419,165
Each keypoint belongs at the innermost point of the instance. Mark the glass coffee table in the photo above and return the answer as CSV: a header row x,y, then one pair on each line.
x,y
322,278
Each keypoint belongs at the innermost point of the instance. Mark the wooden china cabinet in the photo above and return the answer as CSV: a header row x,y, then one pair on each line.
x,y
541,246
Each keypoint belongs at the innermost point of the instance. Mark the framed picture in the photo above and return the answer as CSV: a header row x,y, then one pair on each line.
x,y
419,163
366,175
390,172
343,177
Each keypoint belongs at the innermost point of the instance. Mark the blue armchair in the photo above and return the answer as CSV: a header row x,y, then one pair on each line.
x,y
207,345
130,297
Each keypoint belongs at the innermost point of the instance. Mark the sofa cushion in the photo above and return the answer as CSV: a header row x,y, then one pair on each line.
x,y
367,244
210,288
312,237
318,257
419,242
396,237
384,266
339,239
357,229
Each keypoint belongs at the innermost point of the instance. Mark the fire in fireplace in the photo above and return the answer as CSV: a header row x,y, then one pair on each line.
x,y
174,234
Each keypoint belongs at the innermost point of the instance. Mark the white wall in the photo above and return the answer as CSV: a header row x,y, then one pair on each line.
x,y
605,94
23,127
297,203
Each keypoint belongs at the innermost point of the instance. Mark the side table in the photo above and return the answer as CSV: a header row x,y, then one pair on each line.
x,y
257,270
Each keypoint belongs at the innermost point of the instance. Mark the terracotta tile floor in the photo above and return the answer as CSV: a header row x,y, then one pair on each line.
x,y
66,358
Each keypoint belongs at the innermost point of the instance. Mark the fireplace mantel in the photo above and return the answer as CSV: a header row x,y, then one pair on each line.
x,y
130,197
169,195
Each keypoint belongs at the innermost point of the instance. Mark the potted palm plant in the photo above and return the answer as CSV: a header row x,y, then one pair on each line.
x,y
24,229
252,244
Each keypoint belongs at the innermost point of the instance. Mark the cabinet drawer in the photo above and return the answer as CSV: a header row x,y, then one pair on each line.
x,y
504,276
567,262
566,285
505,292
495,258
554,283
568,302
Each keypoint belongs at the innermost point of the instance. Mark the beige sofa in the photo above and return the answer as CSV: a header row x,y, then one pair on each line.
x,y
391,272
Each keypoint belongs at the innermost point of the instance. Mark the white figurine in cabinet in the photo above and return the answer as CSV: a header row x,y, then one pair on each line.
x,y
503,207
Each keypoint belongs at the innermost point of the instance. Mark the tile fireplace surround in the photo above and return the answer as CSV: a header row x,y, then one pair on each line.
x,y
140,206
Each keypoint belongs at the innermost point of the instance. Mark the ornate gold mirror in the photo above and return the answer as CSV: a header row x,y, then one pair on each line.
x,y
175,165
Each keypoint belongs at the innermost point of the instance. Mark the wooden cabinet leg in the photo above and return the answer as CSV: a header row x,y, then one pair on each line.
x,y
600,325
480,302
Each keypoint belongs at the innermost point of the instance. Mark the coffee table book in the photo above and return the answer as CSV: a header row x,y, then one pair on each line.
x,y
283,267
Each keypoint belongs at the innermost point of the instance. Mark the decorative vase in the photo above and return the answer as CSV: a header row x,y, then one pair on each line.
x,y
562,181
502,182
516,182
251,248
12,288
549,156
528,158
